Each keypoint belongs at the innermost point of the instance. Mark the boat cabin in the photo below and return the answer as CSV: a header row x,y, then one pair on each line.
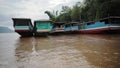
x,y
58,27
72,26
23,26
42,26
111,20
105,25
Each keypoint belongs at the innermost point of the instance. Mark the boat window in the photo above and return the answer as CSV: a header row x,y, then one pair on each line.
x,y
74,24
107,22
21,24
57,26
68,25
115,21
90,23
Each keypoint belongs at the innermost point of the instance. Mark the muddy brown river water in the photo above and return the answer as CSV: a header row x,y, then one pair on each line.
x,y
63,51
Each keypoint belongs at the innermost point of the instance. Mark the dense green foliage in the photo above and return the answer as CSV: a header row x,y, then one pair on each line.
x,y
87,11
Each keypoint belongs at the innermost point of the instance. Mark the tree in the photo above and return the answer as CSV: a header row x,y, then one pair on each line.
x,y
87,11
75,13
65,14
51,16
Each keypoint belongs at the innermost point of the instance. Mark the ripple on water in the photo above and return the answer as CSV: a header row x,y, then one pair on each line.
x,y
70,52
60,57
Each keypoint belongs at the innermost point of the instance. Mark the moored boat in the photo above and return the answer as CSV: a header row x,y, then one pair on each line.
x,y
23,26
105,25
42,27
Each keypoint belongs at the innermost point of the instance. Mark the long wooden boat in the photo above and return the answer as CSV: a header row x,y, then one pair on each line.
x,y
42,27
105,25
23,26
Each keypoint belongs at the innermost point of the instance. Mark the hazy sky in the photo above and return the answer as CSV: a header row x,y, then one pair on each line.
x,y
33,9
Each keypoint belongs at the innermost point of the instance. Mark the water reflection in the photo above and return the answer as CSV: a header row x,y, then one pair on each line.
x,y
7,50
69,51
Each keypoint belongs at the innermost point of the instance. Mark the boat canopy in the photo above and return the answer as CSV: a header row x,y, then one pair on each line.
x,y
72,24
58,24
22,22
111,19
41,21
90,22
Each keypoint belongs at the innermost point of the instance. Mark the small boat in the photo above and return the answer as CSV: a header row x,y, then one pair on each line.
x,y
105,25
42,27
23,26
58,27
72,27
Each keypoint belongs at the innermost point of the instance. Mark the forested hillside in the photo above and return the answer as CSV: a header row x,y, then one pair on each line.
x,y
87,11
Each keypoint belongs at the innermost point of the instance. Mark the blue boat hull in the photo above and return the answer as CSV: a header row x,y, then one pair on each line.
x,y
109,29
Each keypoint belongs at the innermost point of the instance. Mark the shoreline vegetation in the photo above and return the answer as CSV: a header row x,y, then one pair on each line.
x,y
89,10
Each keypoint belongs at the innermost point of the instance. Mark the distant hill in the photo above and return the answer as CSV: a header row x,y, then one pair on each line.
x,y
5,30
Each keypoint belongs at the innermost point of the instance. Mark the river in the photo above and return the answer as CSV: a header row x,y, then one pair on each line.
x,y
63,51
